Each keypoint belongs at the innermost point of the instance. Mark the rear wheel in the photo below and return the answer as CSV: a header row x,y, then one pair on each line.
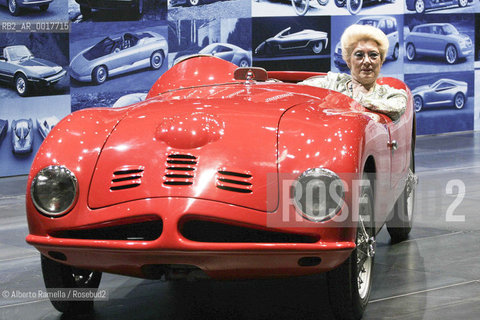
x,y
419,6
400,224
156,60
462,3
317,47
44,7
13,7
300,6
243,63
349,285
325,2
396,52
340,3
411,52
59,276
354,6
194,2
99,74
459,100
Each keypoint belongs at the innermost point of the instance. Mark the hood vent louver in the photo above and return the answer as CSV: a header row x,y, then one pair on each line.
x,y
234,181
126,178
180,170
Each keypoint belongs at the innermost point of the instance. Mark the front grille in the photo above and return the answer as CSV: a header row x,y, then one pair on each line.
x,y
180,170
127,177
208,231
240,182
140,231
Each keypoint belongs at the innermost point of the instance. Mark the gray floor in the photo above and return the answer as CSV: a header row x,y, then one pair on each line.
x,y
434,275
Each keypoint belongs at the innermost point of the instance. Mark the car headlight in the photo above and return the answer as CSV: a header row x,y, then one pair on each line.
x,y
54,190
318,194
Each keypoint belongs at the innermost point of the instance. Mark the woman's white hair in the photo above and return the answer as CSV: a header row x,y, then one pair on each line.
x,y
355,33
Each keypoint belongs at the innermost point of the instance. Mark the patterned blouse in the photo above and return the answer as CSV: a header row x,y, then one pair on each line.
x,y
383,98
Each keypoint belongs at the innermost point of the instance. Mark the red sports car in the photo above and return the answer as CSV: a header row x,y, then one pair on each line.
x,y
222,173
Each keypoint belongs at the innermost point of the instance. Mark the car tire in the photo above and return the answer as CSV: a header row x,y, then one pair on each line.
x,y
396,52
99,74
459,100
340,3
300,6
400,223
419,6
417,103
14,8
156,60
194,3
451,54
349,285
462,3
21,85
59,276
354,6
317,48
325,2
411,52
244,63
44,7
86,12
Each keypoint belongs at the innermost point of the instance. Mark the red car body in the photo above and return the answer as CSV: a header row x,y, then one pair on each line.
x,y
206,152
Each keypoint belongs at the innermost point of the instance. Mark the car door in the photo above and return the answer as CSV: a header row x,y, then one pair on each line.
x,y
224,53
444,92
436,40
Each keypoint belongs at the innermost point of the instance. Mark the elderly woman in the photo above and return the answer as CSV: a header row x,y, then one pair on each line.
x,y
364,49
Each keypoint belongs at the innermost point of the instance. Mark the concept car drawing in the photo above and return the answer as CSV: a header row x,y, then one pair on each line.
x,y
15,6
45,125
117,55
419,6
440,93
22,136
311,42
20,68
217,184
385,23
438,39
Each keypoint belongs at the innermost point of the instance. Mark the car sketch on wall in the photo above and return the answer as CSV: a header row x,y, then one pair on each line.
x,y
419,6
385,23
354,6
225,51
45,125
86,6
285,42
19,67
3,129
442,92
117,55
22,136
15,6
438,39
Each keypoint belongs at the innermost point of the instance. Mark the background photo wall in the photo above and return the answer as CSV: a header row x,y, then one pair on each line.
x,y
72,55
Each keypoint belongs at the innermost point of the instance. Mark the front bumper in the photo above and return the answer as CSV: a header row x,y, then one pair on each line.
x,y
49,81
107,4
220,260
79,77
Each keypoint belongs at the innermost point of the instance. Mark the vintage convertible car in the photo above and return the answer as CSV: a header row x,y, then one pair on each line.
x,y
117,55
19,67
227,179
45,125
420,6
86,6
15,6
225,51
442,92
385,23
22,136
286,43
3,129
438,39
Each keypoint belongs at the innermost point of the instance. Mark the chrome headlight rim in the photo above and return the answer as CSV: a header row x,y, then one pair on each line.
x,y
74,182
318,172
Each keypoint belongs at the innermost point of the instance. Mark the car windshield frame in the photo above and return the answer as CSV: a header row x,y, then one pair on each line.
x,y
17,53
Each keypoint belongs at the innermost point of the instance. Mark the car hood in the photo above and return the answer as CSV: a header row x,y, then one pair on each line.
x,y
215,143
79,64
41,67
421,88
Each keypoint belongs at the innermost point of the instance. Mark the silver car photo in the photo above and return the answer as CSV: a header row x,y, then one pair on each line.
x,y
438,39
225,51
19,67
442,92
15,6
22,136
117,55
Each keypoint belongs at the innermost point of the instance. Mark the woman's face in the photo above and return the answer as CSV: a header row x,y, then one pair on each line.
x,y
365,62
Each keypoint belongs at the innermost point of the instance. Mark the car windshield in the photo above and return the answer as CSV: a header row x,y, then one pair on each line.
x,y
208,49
368,22
101,49
449,29
18,53
437,83
22,130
